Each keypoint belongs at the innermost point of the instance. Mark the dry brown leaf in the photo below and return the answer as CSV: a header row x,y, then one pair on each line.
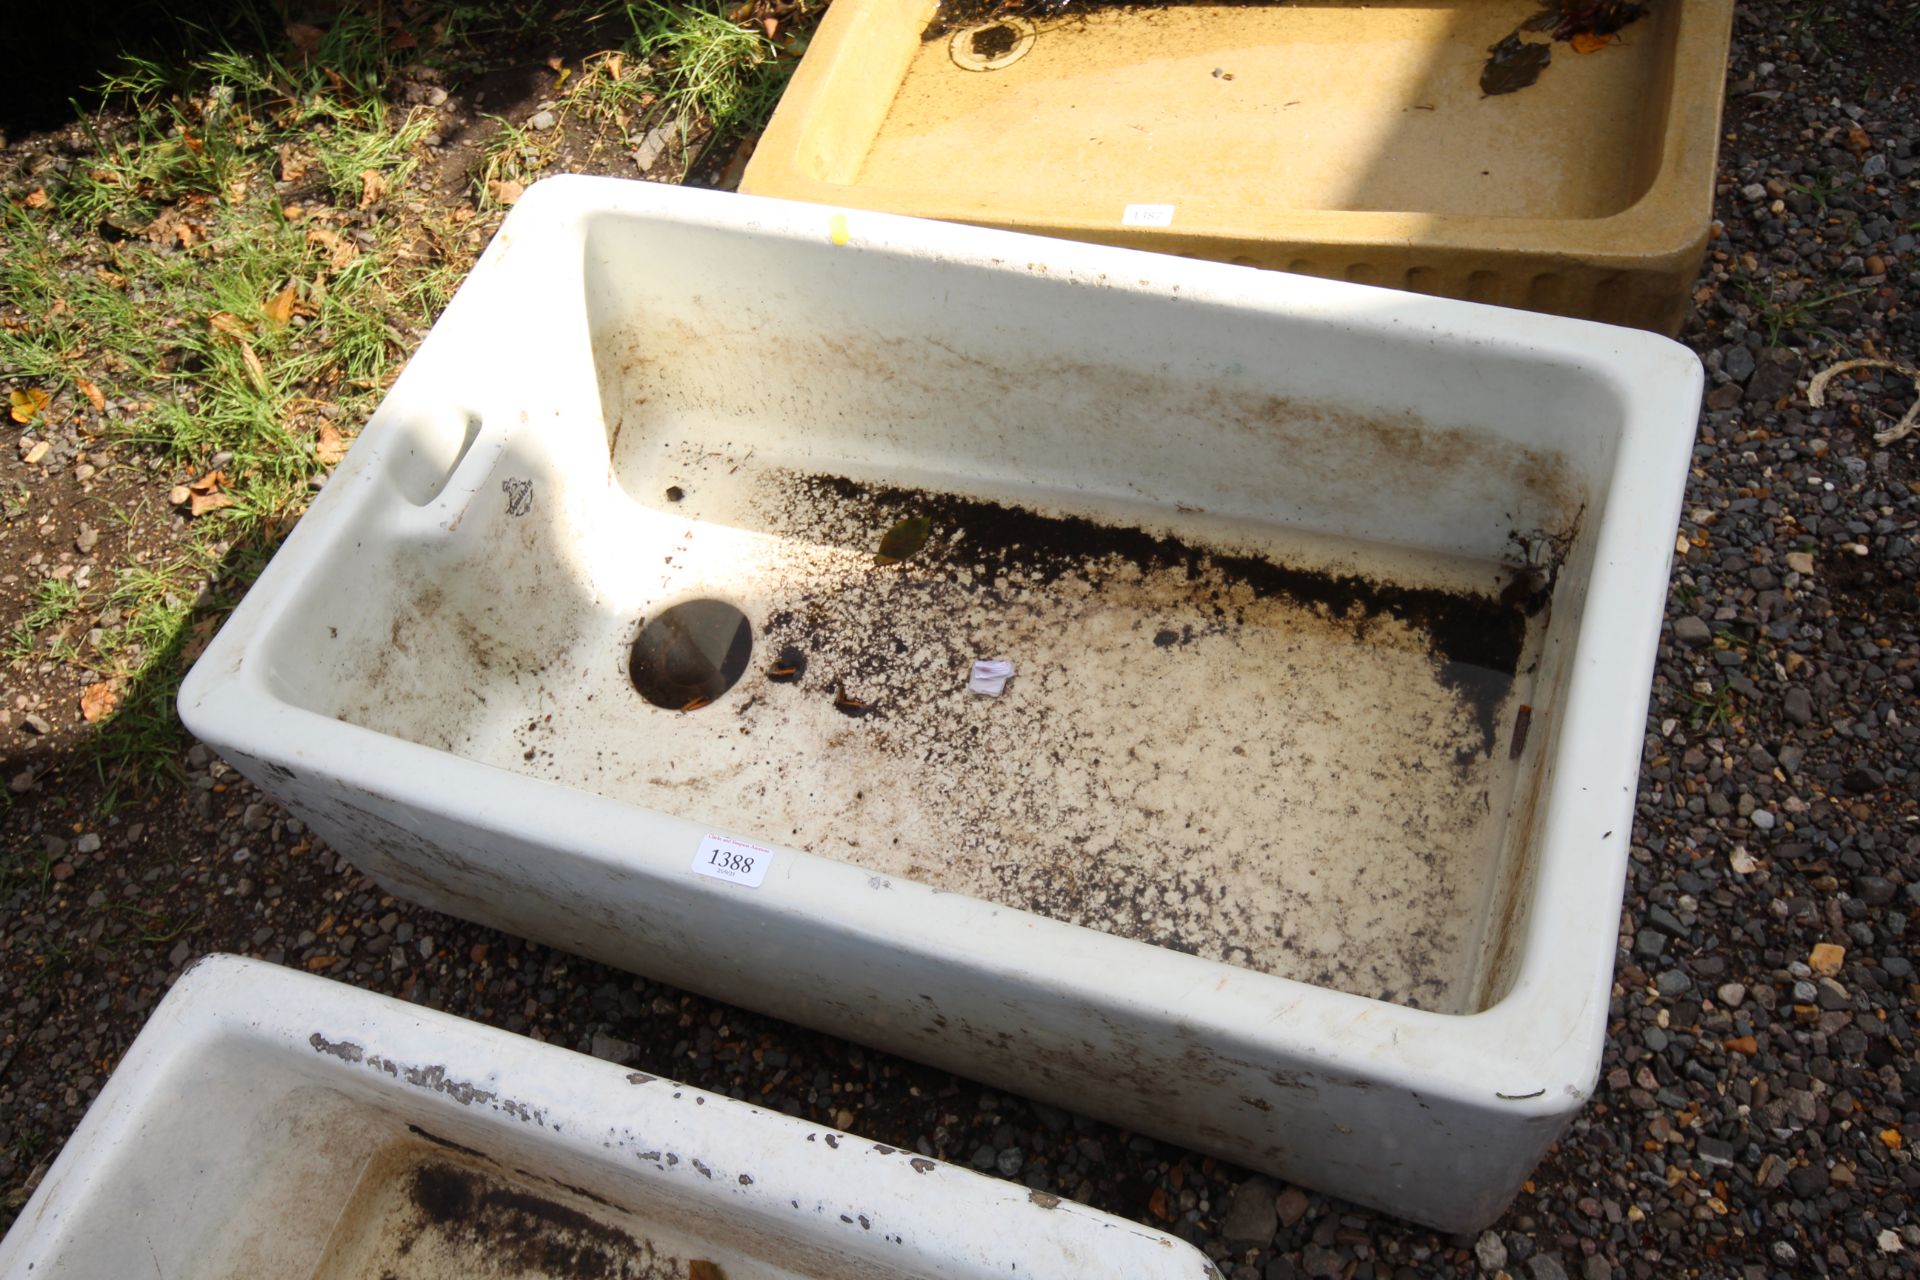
x,y
254,368
112,279
616,65
197,641
28,405
700,1269
340,250
36,198
373,185
506,190
94,395
293,164
208,493
228,324
1588,42
306,38
1859,139
280,307
98,701
329,446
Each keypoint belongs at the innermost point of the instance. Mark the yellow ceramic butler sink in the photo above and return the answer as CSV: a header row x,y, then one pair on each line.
x,y
1355,141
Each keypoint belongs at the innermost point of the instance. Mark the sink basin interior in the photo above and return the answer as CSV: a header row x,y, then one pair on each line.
x,y
1327,105
1267,708
431,1214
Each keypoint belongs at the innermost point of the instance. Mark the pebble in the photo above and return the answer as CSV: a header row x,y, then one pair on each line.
x,y
1691,631
541,120
1491,1251
1251,1219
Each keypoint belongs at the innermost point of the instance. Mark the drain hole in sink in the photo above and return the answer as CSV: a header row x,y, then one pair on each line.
x,y
691,654
989,46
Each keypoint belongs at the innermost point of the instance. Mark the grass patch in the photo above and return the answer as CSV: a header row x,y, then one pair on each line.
x,y
229,329
710,68
53,602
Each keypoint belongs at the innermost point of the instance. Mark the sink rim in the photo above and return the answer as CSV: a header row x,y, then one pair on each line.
x,y
1532,1056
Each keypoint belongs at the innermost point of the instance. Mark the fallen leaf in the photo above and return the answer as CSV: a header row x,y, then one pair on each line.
x,y
373,186
1588,42
197,641
340,251
615,64
93,394
1513,65
403,40
254,369
36,198
27,405
700,1269
329,445
904,540
1859,139
98,701
279,308
237,191
505,190
207,493
293,163
305,37
1157,1204
229,325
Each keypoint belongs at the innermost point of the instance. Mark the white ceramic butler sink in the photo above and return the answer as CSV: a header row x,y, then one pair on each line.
x,y
640,620
268,1125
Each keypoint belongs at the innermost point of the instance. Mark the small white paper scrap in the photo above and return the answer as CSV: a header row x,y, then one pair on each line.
x,y
990,677
725,858
1147,215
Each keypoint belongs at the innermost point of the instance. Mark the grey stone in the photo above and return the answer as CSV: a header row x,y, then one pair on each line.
x,y
1546,1266
1797,706
1665,921
1251,1220
612,1049
1673,982
1691,631
1809,1180
1875,891
655,144
1491,1250
1714,1151
1738,363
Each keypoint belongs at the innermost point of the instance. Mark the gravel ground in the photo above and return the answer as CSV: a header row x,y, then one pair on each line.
x,y
1759,1093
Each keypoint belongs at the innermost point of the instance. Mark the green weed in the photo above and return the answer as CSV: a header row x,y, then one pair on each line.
x,y
709,68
